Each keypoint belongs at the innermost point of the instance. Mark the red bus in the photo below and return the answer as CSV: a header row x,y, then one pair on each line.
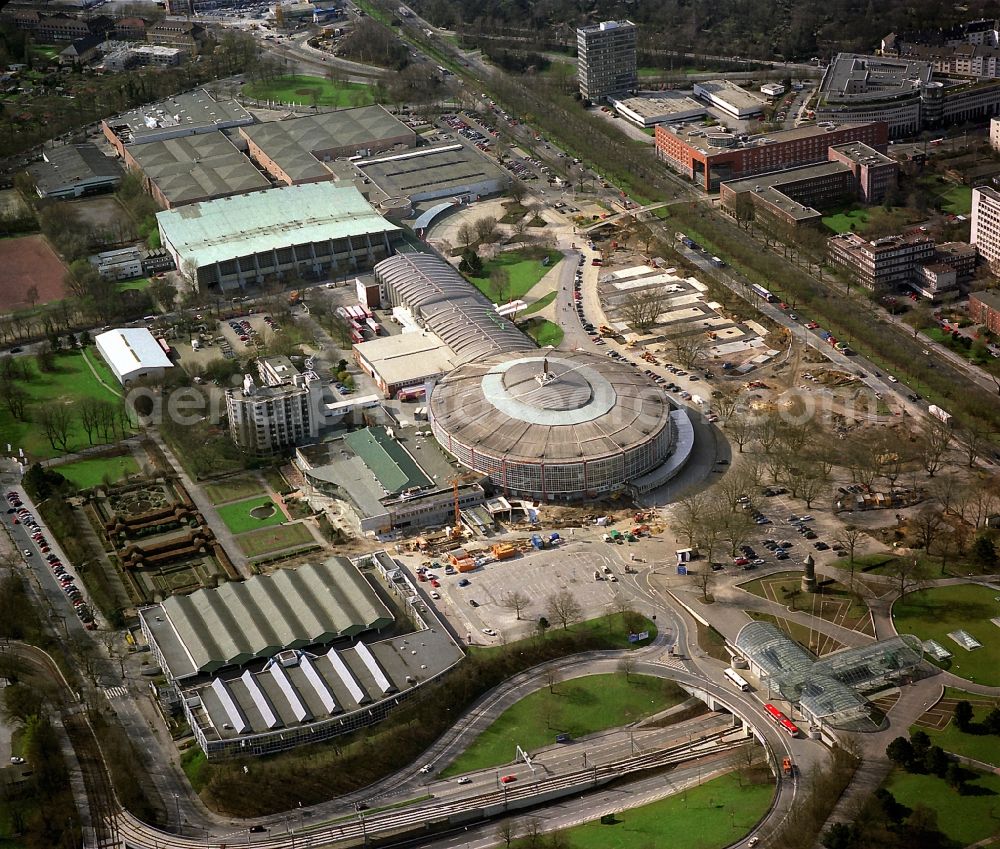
x,y
786,724
356,336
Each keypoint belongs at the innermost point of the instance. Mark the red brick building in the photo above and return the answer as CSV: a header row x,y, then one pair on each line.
x,y
709,159
984,308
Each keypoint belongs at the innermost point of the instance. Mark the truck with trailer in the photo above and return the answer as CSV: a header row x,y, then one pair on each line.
x,y
939,414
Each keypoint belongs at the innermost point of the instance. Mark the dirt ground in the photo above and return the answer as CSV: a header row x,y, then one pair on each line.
x,y
11,202
29,261
100,212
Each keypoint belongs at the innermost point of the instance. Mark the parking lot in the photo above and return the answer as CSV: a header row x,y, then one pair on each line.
x,y
536,575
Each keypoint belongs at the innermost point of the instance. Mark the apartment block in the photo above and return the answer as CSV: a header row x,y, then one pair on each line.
x,y
986,224
606,63
984,308
283,411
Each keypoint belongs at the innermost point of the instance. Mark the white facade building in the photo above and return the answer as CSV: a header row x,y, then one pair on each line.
x,y
995,133
132,353
985,236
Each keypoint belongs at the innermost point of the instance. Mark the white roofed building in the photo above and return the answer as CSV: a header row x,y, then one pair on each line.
x,y
132,353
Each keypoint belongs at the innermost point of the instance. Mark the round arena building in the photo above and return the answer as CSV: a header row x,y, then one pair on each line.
x,y
555,425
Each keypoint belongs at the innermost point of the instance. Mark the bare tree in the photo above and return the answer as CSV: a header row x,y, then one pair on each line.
x,y
507,833
627,666
908,573
849,537
56,421
972,440
515,600
466,234
926,525
564,608
486,228
742,429
689,513
932,444
500,283
689,348
90,416
14,396
641,309
736,529
517,191
703,579
551,678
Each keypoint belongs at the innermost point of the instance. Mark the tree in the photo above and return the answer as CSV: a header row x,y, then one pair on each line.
x,y
849,537
926,525
955,776
984,552
500,284
642,309
744,210
935,761
517,191
466,234
908,572
471,264
626,666
164,293
56,421
688,515
14,396
703,580
506,833
900,752
840,835
515,600
932,443
919,317
963,715
689,348
972,440
564,608
486,229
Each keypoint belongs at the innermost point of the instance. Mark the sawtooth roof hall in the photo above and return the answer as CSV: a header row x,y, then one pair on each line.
x,y
239,622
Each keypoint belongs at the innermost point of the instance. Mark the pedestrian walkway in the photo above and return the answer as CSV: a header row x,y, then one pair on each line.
x,y
114,692
222,533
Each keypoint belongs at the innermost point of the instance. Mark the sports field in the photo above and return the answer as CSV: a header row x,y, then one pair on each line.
x,y
268,540
304,90
238,519
577,707
71,382
29,261
715,813
932,614
86,474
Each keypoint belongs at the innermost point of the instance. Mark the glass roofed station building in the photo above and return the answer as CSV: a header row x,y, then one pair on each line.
x,y
833,691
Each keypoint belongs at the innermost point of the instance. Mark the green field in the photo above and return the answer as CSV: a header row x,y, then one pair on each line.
x,y
86,474
716,813
949,197
545,332
232,489
982,747
71,381
238,519
540,304
304,90
524,270
577,707
138,284
931,614
965,819
268,540
98,365
841,220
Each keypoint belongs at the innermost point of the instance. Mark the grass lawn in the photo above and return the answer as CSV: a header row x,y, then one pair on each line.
x,y
841,220
715,813
982,747
577,707
138,284
545,332
307,90
268,540
931,614
238,519
86,474
71,382
964,819
525,270
192,762
540,304
232,489
948,196
98,365
613,625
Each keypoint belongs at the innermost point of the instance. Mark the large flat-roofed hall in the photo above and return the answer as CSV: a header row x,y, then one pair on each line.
x,y
311,230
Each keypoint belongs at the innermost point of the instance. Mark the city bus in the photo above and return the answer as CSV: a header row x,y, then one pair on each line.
x,y
783,721
737,680
757,289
